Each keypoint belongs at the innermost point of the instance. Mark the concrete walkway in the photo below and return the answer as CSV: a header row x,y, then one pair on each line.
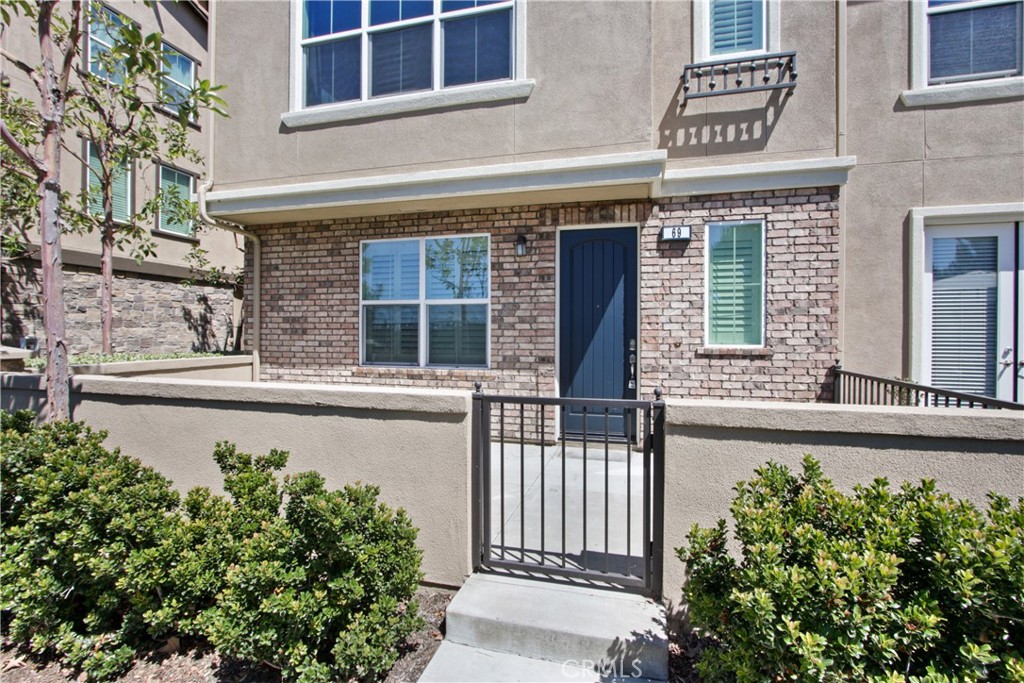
x,y
534,480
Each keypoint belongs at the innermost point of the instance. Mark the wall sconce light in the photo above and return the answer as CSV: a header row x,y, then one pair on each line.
x,y
521,245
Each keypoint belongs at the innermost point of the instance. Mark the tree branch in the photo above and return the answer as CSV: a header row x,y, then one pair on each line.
x,y
74,44
69,150
30,71
11,168
21,151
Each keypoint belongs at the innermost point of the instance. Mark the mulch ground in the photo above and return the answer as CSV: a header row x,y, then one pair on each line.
x,y
198,663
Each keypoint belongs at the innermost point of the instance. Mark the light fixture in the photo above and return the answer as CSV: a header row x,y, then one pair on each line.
x,y
521,245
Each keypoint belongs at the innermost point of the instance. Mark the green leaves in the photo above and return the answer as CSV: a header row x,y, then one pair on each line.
x,y
100,559
837,587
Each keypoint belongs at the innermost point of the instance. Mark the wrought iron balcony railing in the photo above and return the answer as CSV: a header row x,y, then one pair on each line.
x,y
749,74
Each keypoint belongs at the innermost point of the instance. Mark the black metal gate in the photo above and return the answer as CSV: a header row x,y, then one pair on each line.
x,y
586,507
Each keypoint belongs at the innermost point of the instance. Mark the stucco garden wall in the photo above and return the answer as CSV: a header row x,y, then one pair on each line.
x,y
711,445
310,296
412,443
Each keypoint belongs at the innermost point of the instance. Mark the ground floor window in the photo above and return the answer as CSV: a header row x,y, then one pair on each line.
x,y
735,284
425,301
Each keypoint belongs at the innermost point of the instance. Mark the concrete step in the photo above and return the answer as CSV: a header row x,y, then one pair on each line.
x,y
561,623
454,663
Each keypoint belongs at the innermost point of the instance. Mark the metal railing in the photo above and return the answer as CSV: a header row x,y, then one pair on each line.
x,y
858,389
581,506
749,74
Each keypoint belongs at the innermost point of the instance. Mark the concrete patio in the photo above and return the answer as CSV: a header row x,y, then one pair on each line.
x,y
546,500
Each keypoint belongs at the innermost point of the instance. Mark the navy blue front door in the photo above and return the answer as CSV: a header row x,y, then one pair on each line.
x,y
597,325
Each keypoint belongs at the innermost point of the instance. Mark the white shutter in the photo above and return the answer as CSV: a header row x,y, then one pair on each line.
x,y
964,314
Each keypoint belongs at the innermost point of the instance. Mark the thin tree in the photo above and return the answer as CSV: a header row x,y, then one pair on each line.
x,y
120,95
59,43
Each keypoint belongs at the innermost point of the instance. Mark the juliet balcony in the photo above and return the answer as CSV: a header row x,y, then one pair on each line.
x,y
775,71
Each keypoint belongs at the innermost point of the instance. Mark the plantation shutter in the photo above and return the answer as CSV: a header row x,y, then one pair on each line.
x,y
174,182
963,310
735,282
120,187
736,26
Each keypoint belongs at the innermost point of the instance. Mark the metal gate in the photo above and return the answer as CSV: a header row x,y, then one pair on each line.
x,y
586,507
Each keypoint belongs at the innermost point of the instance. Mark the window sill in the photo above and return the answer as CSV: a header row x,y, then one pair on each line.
x,y
175,236
956,93
401,104
734,352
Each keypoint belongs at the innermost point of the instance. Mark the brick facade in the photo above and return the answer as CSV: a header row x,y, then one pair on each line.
x,y
310,302
151,314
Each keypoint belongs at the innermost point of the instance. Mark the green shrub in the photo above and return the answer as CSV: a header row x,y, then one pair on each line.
x,y
880,585
73,514
324,591
182,576
100,559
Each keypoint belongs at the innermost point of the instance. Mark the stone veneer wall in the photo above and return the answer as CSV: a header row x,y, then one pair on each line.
x,y
151,314
310,302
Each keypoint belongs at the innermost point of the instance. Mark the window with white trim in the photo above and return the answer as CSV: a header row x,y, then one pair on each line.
x,y
120,186
178,80
970,40
425,301
354,50
734,310
104,26
176,187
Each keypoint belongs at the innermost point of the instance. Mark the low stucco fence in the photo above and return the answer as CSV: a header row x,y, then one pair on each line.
x,y
711,445
415,444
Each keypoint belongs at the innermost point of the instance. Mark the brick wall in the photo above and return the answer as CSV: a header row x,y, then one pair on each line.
x,y
151,314
310,302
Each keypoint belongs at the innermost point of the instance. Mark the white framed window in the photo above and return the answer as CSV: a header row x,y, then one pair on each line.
x,y
425,302
965,50
121,187
734,304
178,80
176,186
735,28
357,58
104,25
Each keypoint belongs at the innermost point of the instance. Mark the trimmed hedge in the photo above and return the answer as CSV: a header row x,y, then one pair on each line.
x,y
101,560
880,585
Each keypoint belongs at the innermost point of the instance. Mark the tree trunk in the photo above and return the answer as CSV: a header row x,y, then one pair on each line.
x,y
107,268
52,106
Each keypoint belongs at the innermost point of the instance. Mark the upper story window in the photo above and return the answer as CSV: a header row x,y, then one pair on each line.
x,y
426,301
120,186
735,284
353,50
104,26
178,80
971,40
736,26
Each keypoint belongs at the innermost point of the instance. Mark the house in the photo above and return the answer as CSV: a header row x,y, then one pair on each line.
x,y
154,312
721,198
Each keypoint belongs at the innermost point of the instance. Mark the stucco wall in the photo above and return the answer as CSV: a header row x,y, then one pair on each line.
x,y
310,313
414,444
712,445
921,156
